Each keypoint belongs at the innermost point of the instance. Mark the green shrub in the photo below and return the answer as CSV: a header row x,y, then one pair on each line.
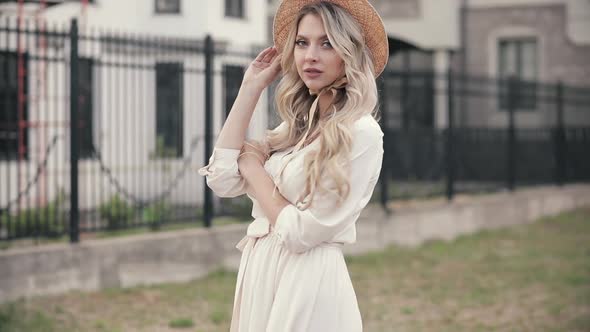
x,y
47,220
116,212
199,213
162,151
154,214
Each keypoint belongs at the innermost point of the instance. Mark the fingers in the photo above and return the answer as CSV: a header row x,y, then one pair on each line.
x,y
276,64
262,54
270,55
267,55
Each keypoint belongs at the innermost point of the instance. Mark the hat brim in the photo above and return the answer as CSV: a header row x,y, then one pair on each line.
x,y
362,11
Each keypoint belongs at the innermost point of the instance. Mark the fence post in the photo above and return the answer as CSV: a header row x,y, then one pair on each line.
x,y
385,175
513,93
404,88
208,198
74,133
450,140
560,142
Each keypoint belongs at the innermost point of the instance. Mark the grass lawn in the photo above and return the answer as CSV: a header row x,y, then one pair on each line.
x,y
533,277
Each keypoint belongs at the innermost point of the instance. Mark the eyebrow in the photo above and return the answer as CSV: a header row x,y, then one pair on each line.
x,y
302,36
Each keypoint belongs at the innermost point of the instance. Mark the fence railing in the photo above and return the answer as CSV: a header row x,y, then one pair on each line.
x,y
101,130
447,133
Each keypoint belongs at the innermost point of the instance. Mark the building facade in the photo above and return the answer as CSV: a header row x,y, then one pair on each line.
x,y
545,41
141,105
537,41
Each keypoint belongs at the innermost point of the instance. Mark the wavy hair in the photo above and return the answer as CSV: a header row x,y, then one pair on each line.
x,y
293,100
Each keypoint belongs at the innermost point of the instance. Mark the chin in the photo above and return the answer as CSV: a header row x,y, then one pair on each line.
x,y
315,85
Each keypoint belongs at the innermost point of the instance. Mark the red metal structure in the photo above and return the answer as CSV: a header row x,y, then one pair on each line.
x,y
21,98
41,94
25,122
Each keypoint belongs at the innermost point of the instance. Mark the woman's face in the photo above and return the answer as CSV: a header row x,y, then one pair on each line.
x,y
317,62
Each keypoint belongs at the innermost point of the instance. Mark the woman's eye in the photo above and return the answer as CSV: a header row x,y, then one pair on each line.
x,y
304,43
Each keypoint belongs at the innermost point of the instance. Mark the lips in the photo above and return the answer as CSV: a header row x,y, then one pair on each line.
x,y
312,73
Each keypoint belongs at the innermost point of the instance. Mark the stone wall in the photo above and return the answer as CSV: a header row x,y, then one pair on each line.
x,y
184,255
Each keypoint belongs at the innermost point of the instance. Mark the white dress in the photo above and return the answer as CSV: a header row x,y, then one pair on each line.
x,y
293,277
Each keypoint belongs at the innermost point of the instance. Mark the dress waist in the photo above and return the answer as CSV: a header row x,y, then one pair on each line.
x,y
261,227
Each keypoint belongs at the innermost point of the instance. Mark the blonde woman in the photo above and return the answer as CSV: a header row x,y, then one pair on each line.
x,y
313,174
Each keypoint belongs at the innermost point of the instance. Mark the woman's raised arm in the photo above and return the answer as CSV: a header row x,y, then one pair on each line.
x,y
261,72
222,172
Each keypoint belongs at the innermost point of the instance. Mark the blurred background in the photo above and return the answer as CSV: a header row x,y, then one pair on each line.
x,y
108,106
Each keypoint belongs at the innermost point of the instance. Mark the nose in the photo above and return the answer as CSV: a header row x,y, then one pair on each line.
x,y
312,54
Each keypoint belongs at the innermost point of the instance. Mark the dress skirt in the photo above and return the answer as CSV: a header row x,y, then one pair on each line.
x,y
281,291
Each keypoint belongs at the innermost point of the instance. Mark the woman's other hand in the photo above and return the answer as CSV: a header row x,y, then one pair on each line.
x,y
264,69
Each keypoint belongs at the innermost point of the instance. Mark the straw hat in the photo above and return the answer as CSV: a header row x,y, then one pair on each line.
x,y
364,13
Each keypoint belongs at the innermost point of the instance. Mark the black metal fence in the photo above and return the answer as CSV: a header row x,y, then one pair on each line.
x,y
101,130
447,134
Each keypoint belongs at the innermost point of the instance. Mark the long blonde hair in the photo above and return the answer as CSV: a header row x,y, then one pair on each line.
x,y
293,101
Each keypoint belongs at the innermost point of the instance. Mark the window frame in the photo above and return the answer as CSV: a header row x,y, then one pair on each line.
x,y
8,154
164,152
87,131
527,102
157,10
231,69
238,13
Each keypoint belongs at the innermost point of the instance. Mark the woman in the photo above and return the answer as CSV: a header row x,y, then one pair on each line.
x,y
313,174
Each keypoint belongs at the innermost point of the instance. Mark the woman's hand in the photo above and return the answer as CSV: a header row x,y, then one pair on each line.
x,y
263,70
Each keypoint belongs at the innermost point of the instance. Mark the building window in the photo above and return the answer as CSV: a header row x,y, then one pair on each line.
x,y
232,77
168,6
85,114
518,58
169,109
234,8
10,132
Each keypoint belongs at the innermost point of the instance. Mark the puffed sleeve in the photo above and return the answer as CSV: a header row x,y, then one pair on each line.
x,y
222,174
301,230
